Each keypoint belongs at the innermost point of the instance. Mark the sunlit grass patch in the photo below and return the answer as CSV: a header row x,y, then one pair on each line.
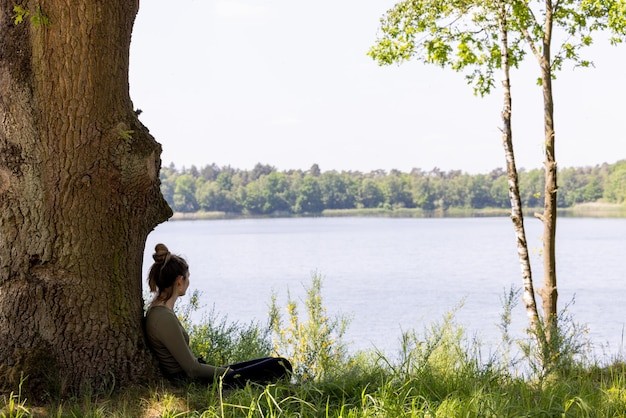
x,y
165,404
14,406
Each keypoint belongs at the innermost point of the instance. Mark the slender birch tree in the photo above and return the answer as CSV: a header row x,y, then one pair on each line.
x,y
473,37
517,213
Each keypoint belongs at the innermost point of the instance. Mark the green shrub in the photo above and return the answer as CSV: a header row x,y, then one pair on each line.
x,y
220,342
314,346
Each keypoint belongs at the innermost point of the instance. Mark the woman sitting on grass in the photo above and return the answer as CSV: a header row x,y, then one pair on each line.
x,y
169,279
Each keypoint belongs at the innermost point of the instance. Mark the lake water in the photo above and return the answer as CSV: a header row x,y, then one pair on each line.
x,y
391,275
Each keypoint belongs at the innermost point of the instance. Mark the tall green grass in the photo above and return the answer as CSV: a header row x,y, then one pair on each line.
x,y
219,341
314,344
438,372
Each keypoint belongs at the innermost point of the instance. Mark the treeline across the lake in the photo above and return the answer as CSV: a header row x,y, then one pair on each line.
x,y
264,190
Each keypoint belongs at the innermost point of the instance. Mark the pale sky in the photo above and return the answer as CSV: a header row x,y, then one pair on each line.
x,y
288,83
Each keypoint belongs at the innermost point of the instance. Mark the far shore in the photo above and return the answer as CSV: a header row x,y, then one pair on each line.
x,y
585,210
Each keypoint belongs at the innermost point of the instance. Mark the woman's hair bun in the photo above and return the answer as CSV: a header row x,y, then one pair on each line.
x,y
160,253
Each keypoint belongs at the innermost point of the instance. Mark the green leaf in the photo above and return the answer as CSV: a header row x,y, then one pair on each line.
x,y
20,14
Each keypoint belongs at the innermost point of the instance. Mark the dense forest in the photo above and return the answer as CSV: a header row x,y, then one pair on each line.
x,y
265,190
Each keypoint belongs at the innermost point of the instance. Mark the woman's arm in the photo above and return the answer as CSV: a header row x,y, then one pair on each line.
x,y
174,340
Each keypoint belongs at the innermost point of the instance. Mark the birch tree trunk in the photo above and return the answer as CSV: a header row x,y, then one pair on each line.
x,y
79,193
517,215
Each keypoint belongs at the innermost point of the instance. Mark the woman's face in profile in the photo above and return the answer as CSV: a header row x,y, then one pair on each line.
x,y
185,284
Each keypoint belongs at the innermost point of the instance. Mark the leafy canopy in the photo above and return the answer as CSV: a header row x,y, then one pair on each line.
x,y
460,34
464,34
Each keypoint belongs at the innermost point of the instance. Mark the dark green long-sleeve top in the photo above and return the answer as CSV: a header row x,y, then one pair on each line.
x,y
170,343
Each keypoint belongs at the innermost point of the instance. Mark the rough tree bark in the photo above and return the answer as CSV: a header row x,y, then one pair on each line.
x,y
79,193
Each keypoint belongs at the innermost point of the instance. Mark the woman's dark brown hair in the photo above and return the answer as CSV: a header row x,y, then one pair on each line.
x,y
163,273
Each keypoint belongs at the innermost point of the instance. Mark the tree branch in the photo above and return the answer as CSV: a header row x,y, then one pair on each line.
x,y
531,44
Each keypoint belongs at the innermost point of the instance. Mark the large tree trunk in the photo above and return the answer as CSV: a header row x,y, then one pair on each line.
x,y
517,215
79,193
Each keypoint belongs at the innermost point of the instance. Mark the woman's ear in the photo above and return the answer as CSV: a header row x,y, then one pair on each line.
x,y
180,280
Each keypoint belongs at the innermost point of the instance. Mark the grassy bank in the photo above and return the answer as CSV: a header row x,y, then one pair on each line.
x,y
589,210
438,372
596,210
377,212
445,382
419,213
430,392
